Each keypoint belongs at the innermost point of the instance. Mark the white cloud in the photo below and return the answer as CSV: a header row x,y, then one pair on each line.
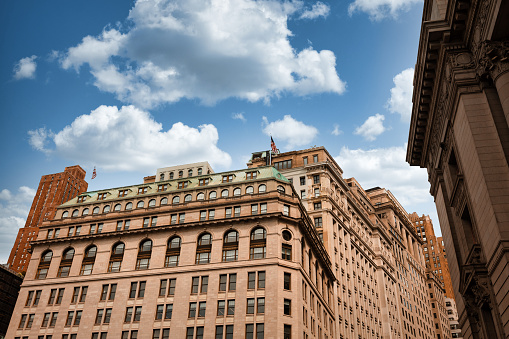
x,y
14,208
372,127
294,133
336,130
129,139
401,94
387,168
208,51
317,10
239,116
380,9
38,138
25,68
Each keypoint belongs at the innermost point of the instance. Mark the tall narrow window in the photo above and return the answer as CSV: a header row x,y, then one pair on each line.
x,y
117,254
66,262
87,265
204,248
144,253
231,246
258,246
173,252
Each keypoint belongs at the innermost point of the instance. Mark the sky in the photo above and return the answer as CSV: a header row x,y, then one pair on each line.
x,y
132,86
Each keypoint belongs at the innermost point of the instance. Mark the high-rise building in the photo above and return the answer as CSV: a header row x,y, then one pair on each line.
x,y
53,190
459,132
10,283
225,255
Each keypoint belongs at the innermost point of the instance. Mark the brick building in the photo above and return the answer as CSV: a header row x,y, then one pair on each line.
x,y
53,190
459,132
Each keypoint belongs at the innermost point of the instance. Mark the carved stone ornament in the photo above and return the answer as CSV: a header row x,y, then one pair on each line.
x,y
462,60
493,59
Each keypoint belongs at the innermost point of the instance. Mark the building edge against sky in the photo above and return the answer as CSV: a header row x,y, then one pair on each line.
x,y
125,238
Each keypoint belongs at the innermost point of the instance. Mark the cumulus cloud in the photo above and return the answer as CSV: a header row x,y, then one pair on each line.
x,y
129,139
401,94
336,131
14,208
380,9
294,133
318,9
38,138
239,116
209,51
372,127
387,168
25,68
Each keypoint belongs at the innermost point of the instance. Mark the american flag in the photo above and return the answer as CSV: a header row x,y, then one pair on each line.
x,y
273,145
94,173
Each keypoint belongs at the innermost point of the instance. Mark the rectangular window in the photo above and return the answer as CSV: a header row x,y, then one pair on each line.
x,y
204,284
229,331
83,295
169,311
77,318
287,281
260,305
303,194
182,184
159,312
78,230
146,222
45,319
173,219
283,164
75,295
318,222
286,252
137,313
212,214
201,309
101,196
107,316
251,280
219,331
260,328
286,210
70,316
261,279
263,208
287,307
128,314
192,310
287,332
190,333
203,182
141,291
315,158
228,178
231,307
132,292
317,192
254,209
99,317
70,233
317,205
162,188
233,282
171,288
251,175
142,190
123,193
228,212
195,284
222,282
182,218
203,215
53,321
236,211
220,308
305,160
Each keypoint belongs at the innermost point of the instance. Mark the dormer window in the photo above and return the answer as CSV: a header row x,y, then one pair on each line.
x,y
203,182
101,196
228,178
82,198
182,184
123,193
142,190
161,188
251,175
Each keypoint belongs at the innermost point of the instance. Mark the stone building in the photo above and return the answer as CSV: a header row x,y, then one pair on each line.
x,y
54,189
459,131
225,255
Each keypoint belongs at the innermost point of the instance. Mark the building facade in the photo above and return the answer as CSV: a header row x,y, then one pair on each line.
x,y
54,189
227,255
459,131
10,283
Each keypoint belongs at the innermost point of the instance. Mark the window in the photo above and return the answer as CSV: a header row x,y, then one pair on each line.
x,y
173,252
66,262
223,278
142,190
75,213
144,253
254,209
318,222
101,196
286,210
229,331
192,310
175,200
317,192
231,307
95,210
45,320
202,306
251,175
251,280
232,285
87,265
116,256
44,263
140,204
140,290
112,289
152,203
163,187
200,171
287,332
262,189
283,164
236,211
249,190
77,296
129,206
228,212
65,214
281,189
182,184
168,311
250,306
164,201
317,205
224,193
123,193
188,198
220,307
231,246
106,209
258,243
200,196
117,208
287,281
227,178
173,219
171,175
159,312
203,249
82,198
123,225
315,158
161,177
261,279
236,192
85,212
149,222
203,182
260,305
171,283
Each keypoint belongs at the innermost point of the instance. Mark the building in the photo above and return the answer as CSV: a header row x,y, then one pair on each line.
x,y
436,265
381,288
225,255
54,189
10,283
459,132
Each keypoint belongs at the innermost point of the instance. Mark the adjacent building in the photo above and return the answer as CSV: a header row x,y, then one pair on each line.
x,y
459,132
10,283
54,190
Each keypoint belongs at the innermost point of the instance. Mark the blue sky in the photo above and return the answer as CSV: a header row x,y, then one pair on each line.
x,y
130,86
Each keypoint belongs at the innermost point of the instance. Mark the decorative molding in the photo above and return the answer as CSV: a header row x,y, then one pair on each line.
x,y
493,59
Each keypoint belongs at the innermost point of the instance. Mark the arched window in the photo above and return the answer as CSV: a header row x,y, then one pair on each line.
x,y
117,207
129,206
173,252
116,256
65,263
200,196
106,209
75,213
249,190
176,200
258,245
236,192
212,195
188,198
65,214
262,188
171,175
87,265
140,204
204,248
281,189
181,174
44,263
164,201
224,193
286,246
161,177
144,253
85,212
95,210
190,173
152,203
231,246
199,171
